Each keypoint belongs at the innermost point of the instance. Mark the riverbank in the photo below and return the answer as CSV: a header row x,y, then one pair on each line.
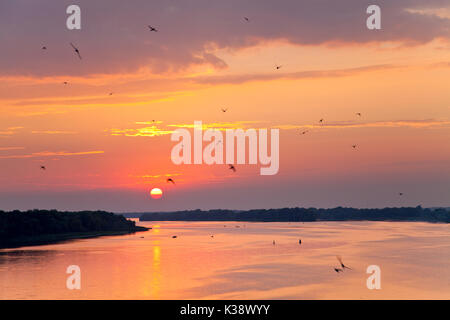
x,y
56,238
38,227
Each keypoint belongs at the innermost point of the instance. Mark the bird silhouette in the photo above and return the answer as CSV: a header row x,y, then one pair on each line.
x,y
299,241
231,167
170,180
278,67
304,132
246,19
338,270
43,168
342,264
358,114
354,146
65,82
321,120
110,93
76,50
44,48
224,110
400,193
153,29
173,237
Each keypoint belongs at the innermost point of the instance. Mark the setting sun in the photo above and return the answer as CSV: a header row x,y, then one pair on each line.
x,y
156,193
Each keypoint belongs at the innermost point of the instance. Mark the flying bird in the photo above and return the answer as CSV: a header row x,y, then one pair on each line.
x,y
321,120
44,48
110,93
299,241
304,132
170,180
246,19
358,114
43,168
278,67
152,29
224,110
173,237
354,146
231,167
400,193
65,82
342,264
338,270
76,50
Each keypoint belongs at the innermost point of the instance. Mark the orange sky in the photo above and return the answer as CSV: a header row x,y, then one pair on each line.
x,y
107,151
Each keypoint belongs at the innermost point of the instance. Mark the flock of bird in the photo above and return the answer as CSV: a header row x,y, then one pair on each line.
x,y
231,167
154,29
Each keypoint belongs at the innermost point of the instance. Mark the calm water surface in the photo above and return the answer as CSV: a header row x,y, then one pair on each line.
x,y
239,262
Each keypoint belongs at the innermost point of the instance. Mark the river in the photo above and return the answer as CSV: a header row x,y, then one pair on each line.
x,y
238,260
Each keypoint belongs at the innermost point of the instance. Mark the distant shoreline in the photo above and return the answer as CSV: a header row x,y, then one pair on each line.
x,y
404,214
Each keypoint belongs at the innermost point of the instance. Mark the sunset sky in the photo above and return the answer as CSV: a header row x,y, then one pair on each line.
x,y
104,151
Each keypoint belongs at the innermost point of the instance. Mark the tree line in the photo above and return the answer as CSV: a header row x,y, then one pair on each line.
x,y
304,214
31,223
